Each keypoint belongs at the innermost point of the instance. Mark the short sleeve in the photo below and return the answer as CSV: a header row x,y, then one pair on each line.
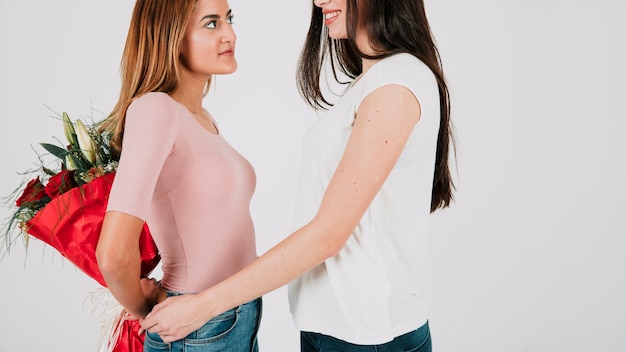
x,y
404,70
152,124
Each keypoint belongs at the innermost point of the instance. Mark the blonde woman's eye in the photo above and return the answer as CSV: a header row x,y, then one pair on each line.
x,y
211,25
231,19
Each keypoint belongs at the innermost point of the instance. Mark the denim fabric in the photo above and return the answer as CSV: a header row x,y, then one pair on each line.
x,y
232,331
414,341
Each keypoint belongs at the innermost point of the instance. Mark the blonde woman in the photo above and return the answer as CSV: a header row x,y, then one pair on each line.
x,y
178,173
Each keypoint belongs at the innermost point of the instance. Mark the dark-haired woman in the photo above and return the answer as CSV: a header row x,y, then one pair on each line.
x,y
374,166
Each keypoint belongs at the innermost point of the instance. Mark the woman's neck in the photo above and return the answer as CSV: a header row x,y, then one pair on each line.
x,y
191,100
190,91
366,64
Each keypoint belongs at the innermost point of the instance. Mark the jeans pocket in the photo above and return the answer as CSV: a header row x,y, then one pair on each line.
x,y
215,329
153,343
233,331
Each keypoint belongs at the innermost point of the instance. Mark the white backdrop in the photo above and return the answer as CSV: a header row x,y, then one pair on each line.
x,y
531,257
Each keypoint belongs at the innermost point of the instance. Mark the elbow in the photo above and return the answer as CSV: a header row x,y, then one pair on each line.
x,y
330,232
104,263
108,263
333,247
328,236
333,241
117,251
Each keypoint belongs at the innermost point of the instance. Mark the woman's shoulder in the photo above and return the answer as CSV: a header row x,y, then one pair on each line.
x,y
155,109
152,99
403,69
403,64
153,104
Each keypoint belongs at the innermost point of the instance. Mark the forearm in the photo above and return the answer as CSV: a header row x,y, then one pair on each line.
x,y
119,261
298,253
380,133
384,124
124,283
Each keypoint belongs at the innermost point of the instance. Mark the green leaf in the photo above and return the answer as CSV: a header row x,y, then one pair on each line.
x,y
56,151
81,163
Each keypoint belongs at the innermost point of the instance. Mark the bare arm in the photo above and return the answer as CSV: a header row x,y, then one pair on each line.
x,y
384,122
119,261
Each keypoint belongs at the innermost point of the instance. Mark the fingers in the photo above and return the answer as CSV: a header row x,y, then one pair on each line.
x,y
165,334
148,323
129,316
169,339
159,321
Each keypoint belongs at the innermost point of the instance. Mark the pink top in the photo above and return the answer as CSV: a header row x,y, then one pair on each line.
x,y
191,187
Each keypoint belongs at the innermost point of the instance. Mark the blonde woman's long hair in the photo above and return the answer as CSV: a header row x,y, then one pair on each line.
x,y
151,58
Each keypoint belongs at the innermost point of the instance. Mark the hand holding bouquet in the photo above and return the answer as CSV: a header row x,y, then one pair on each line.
x,y
65,209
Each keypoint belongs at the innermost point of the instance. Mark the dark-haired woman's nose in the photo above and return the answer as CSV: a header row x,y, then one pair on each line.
x,y
320,3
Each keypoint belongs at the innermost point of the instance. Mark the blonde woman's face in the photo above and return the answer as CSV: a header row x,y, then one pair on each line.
x,y
209,44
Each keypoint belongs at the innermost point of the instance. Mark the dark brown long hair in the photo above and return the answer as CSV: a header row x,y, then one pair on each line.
x,y
392,26
151,58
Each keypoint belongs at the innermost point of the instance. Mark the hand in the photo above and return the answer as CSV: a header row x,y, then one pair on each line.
x,y
129,316
153,291
174,318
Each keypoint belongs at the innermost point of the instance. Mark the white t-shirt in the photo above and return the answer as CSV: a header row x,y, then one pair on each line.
x,y
374,289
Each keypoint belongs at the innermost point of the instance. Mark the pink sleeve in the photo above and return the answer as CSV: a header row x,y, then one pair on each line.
x,y
152,124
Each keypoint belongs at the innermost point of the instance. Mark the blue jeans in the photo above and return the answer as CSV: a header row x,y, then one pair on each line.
x,y
414,341
232,331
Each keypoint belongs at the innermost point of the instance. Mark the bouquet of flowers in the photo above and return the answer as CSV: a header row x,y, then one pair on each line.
x,y
65,208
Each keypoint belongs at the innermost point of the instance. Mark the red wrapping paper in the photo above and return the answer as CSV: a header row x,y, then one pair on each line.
x,y
71,224
129,339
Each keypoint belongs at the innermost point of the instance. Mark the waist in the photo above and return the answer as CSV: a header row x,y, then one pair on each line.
x,y
198,273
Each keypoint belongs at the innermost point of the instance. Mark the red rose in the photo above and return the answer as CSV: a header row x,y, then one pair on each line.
x,y
60,183
34,191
